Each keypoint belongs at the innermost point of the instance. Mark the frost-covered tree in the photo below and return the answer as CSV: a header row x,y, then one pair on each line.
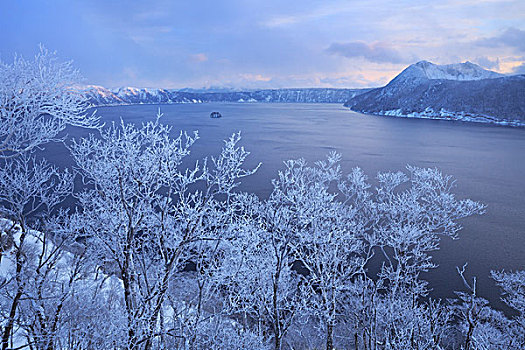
x,y
513,285
126,170
52,275
485,328
412,222
326,236
342,223
143,219
345,222
37,100
262,288
412,213
29,191
480,326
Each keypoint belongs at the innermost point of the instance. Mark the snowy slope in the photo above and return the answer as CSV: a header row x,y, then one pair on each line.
x,y
458,71
100,96
38,255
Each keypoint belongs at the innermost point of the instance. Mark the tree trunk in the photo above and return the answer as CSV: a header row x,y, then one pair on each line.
x,y
275,304
11,320
277,342
329,336
469,335
128,298
14,305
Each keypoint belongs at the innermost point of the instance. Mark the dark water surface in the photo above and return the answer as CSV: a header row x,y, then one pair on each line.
x,y
487,161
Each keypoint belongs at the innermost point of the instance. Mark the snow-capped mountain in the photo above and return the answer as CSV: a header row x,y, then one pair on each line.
x,y
459,71
462,91
100,96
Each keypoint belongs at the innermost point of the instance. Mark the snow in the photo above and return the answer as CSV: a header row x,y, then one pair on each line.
x,y
33,243
458,71
128,96
443,114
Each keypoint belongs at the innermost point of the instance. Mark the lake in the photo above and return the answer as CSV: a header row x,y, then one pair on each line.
x,y
487,161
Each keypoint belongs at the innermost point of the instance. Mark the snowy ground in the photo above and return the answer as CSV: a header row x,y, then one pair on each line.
x,y
443,114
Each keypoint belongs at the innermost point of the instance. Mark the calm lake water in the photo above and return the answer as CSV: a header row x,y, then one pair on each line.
x,y
487,161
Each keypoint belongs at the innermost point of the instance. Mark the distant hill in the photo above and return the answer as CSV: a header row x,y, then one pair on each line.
x,y
462,91
100,96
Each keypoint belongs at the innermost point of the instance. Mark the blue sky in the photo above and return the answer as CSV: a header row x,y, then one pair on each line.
x,y
263,44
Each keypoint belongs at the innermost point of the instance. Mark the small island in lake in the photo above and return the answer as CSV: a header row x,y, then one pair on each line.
x,y
215,115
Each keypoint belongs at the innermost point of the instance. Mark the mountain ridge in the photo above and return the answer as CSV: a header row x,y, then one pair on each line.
x,y
465,71
462,91
100,96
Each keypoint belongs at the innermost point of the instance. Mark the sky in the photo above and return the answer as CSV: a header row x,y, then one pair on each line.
x,y
254,44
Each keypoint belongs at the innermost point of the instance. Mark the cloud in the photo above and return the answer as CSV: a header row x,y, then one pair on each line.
x,y
519,69
377,52
353,81
199,57
512,37
305,16
488,63
280,21
254,77
182,43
